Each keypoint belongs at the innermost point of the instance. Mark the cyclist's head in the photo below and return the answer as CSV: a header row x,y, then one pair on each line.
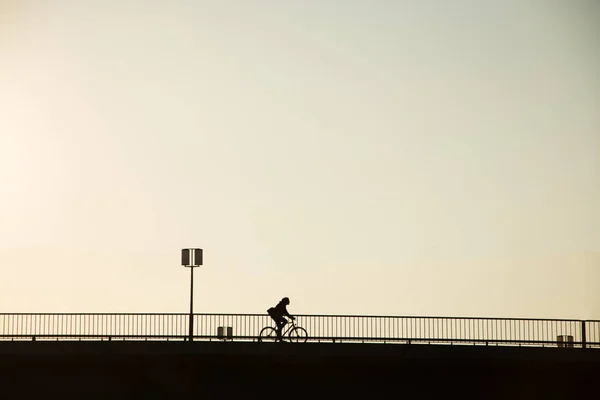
x,y
285,301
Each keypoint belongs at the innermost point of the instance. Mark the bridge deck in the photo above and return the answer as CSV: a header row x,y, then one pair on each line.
x,y
225,369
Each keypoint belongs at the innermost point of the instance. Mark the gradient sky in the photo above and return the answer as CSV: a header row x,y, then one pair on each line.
x,y
361,157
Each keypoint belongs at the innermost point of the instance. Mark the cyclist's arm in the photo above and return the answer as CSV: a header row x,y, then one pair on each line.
x,y
288,314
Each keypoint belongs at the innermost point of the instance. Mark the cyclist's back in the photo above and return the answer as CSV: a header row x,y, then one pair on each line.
x,y
279,310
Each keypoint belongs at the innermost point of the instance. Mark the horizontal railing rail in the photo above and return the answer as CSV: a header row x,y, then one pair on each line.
x,y
322,328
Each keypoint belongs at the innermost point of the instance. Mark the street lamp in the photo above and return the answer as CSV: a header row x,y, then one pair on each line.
x,y
191,258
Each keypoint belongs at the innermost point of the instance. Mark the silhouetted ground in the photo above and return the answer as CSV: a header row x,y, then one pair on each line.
x,y
127,370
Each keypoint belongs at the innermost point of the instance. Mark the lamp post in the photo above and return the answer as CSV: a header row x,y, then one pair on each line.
x,y
191,258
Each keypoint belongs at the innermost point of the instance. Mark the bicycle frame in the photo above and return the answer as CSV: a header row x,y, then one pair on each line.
x,y
290,325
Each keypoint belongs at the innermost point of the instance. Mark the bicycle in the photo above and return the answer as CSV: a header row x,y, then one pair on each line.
x,y
293,333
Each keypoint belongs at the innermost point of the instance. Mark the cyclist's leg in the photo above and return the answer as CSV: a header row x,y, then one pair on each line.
x,y
280,324
278,329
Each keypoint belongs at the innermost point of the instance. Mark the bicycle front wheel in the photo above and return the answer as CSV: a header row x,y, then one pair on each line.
x,y
267,334
298,335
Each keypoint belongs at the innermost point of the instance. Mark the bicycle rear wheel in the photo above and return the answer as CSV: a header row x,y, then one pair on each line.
x,y
267,334
298,335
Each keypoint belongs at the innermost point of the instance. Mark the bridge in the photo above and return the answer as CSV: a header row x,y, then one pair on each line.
x,y
150,355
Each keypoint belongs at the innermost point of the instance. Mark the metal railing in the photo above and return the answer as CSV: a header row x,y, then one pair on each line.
x,y
322,328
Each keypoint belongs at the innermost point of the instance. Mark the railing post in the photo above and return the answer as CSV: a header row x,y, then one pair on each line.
x,y
583,338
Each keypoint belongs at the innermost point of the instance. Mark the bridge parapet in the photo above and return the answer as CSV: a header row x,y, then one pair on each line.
x,y
321,328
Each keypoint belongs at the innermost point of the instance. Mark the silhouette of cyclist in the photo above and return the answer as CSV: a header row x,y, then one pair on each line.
x,y
278,312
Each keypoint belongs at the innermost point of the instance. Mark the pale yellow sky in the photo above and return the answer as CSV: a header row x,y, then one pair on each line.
x,y
360,157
